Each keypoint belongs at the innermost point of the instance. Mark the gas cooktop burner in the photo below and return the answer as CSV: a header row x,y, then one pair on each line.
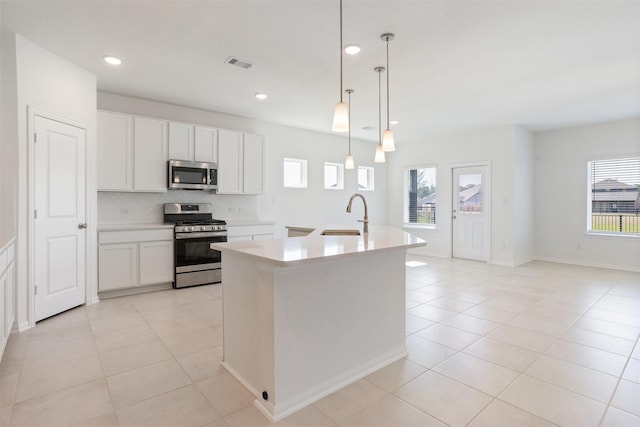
x,y
197,222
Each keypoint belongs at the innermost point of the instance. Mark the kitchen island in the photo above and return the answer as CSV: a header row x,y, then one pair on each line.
x,y
305,316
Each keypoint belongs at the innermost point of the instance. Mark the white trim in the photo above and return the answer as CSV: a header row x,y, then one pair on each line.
x,y
588,264
90,231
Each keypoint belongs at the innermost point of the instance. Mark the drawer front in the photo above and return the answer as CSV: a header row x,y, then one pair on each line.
x,y
125,236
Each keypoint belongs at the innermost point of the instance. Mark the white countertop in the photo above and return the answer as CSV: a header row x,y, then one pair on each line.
x,y
138,226
313,248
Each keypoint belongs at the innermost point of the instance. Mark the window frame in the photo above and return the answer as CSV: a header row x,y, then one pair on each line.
x,y
302,181
405,203
339,168
370,178
590,197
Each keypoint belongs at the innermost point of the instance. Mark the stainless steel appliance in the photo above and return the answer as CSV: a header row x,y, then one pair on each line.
x,y
195,229
187,175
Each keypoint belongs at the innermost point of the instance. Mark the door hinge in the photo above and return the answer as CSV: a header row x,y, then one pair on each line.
x,y
35,214
36,290
35,137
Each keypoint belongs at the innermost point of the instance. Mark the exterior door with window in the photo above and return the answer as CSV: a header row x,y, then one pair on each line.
x,y
470,217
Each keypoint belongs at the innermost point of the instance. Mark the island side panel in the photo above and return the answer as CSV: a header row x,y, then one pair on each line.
x,y
335,322
247,296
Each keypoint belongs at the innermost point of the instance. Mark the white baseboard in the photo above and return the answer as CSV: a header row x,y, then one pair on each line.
x,y
23,326
283,409
589,264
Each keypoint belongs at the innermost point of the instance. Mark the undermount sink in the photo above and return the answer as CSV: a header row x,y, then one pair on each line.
x,y
340,232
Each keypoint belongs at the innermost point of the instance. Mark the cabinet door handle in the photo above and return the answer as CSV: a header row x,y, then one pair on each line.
x,y
81,226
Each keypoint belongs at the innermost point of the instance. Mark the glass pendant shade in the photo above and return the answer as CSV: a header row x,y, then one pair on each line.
x,y
379,154
340,118
387,141
348,164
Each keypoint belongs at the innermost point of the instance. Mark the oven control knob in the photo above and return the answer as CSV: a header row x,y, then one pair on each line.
x,y
203,228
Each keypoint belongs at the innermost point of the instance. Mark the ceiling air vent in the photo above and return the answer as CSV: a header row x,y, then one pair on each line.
x,y
369,128
237,62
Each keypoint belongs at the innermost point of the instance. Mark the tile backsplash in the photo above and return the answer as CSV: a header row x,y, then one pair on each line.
x,y
134,208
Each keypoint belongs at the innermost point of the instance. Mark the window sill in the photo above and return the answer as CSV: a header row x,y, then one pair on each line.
x,y
419,226
593,233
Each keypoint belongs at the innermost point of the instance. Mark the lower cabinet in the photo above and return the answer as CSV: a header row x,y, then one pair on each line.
x,y
127,259
236,233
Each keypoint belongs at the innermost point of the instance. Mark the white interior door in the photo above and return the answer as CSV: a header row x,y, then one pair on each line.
x,y
470,216
59,217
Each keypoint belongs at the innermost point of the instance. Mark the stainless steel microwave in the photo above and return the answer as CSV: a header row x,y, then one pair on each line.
x,y
186,175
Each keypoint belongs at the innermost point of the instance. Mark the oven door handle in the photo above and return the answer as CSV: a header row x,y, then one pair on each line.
x,y
199,235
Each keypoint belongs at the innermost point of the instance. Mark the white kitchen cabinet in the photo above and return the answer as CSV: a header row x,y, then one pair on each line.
x,y
151,270
129,258
115,151
150,154
118,266
240,163
193,142
132,153
181,141
205,144
237,233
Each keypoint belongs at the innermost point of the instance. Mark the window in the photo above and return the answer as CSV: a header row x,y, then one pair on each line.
x,y
295,173
365,178
614,196
420,196
333,176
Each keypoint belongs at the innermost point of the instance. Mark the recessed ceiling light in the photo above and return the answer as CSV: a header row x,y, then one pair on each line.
x,y
394,122
261,96
351,49
112,60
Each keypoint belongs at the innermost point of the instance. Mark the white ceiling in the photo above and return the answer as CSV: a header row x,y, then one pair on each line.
x,y
454,64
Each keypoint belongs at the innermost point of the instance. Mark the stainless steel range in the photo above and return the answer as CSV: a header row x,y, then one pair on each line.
x,y
195,229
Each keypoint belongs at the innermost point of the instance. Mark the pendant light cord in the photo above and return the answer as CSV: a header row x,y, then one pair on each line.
x,y
349,119
341,51
388,124
379,106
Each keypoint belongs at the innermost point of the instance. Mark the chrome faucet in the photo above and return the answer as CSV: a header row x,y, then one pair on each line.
x,y
365,220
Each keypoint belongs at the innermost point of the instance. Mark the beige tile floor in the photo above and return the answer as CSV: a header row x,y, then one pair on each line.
x,y
538,345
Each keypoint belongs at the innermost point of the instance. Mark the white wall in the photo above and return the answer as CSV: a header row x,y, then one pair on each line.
x,y
561,194
8,140
313,206
48,83
523,201
495,145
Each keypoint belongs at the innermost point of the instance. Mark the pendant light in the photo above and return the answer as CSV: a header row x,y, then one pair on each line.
x,y
387,139
379,150
348,164
341,113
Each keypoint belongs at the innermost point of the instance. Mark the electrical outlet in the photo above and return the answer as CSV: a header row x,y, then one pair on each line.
x,y
124,211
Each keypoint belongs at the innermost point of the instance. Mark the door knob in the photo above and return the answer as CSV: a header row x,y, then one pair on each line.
x,y
454,217
81,226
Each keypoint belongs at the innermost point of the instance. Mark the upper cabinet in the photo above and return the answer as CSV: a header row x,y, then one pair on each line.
x,y
132,153
150,154
240,163
193,142
115,151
